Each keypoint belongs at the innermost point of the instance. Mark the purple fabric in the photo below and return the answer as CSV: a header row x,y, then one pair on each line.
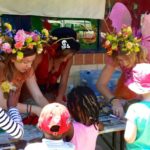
x,y
120,15
145,29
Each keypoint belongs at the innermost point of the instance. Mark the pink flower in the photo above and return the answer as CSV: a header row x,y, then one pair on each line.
x,y
20,36
35,37
6,48
19,45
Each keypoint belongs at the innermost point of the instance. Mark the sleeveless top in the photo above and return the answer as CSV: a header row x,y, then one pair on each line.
x,y
45,77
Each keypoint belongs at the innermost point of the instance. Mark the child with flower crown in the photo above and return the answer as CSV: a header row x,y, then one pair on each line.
x,y
18,52
124,51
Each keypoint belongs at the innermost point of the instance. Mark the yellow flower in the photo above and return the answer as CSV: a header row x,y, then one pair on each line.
x,y
129,45
6,86
19,56
107,43
8,26
39,49
129,30
45,32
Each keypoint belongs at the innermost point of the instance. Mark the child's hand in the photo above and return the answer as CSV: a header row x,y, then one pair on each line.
x,y
13,98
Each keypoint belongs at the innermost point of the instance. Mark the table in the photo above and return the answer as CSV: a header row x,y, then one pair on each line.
x,y
113,124
30,132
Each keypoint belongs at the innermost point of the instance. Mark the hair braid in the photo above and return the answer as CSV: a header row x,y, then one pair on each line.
x,y
83,105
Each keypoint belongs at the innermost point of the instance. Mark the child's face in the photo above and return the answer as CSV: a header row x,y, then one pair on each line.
x,y
126,61
25,64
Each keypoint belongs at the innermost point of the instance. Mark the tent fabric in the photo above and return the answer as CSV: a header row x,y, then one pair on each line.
x,y
92,9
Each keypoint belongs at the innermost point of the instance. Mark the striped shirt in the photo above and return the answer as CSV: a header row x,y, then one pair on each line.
x,y
12,122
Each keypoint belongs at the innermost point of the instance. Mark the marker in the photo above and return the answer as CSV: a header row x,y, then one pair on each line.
x,y
111,115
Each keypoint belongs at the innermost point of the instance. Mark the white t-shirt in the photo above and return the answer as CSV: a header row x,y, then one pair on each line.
x,y
47,144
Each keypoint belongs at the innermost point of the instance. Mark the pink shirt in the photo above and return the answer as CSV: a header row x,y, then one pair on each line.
x,y
84,136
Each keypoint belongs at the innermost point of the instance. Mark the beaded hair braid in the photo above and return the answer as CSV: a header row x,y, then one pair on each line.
x,y
83,105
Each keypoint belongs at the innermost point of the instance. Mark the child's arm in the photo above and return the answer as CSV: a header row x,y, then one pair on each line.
x,y
130,132
12,123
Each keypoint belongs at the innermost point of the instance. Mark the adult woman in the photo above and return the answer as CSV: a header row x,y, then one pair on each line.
x,y
124,52
56,62
120,11
18,51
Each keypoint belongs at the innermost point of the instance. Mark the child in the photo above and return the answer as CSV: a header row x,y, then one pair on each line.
x,y
84,108
12,122
54,122
138,114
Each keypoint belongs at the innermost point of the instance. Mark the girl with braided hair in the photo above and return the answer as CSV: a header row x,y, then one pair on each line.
x,y
84,109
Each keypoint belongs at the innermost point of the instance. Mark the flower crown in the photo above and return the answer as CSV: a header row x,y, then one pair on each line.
x,y
12,42
122,42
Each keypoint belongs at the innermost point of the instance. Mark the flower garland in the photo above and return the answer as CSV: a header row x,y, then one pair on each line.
x,y
122,42
11,42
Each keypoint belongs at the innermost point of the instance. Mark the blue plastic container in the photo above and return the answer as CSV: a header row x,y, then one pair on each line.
x,y
90,77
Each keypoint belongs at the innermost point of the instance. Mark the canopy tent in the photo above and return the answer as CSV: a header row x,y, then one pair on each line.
x,y
94,9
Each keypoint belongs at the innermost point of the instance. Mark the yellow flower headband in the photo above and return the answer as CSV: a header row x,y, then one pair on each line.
x,y
123,42
14,42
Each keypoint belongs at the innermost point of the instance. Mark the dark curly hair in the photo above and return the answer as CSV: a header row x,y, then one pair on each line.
x,y
83,105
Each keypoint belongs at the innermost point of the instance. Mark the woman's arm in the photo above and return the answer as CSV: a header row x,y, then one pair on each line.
x,y
101,84
103,81
64,81
35,91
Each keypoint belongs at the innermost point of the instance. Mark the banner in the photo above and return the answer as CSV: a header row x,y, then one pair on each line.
x,y
92,9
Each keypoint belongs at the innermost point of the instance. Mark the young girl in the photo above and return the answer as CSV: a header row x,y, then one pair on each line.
x,y
84,109
138,114
18,51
